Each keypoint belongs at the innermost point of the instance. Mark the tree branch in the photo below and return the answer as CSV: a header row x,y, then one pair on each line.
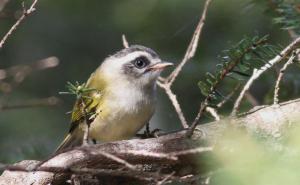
x,y
124,41
166,83
281,73
50,101
191,50
19,21
258,72
155,158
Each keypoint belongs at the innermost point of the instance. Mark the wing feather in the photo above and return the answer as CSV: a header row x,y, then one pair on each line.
x,y
87,106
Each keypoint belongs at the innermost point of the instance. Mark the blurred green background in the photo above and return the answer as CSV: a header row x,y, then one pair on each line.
x,y
82,33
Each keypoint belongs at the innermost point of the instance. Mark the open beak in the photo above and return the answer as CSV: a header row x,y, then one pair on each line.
x,y
159,66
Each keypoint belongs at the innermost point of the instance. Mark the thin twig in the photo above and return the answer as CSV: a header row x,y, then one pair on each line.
x,y
19,72
166,83
213,112
151,154
192,151
165,179
117,159
202,109
50,101
175,103
14,27
258,72
282,70
251,99
229,96
292,34
169,156
191,50
86,134
124,41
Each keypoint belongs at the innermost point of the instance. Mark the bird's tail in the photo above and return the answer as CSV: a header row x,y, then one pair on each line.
x,y
71,140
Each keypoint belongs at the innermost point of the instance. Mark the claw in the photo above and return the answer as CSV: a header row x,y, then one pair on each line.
x,y
149,134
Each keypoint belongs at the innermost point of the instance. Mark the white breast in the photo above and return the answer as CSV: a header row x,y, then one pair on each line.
x,y
129,110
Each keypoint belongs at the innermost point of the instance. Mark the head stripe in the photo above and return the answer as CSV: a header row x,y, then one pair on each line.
x,y
134,48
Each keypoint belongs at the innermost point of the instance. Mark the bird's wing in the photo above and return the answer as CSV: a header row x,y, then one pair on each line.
x,y
83,110
86,108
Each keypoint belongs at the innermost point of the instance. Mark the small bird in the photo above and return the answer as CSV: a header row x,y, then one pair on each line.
x,y
123,99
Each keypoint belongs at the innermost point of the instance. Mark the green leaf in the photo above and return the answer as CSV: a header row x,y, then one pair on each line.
x,y
241,59
205,90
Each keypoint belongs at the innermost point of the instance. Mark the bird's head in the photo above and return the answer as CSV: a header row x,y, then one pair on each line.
x,y
136,64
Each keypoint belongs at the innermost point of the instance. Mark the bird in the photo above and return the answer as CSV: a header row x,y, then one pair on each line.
x,y
122,99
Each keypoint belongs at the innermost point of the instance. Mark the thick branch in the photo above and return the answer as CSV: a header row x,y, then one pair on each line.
x,y
168,153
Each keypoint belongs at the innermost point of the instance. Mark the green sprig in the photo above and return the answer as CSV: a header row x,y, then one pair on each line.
x,y
240,59
285,13
77,89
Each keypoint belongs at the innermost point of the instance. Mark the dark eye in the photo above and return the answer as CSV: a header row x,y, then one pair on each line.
x,y
141,62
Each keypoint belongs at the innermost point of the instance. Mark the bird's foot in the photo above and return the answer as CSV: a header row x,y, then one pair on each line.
x,y
149,134
89,142
155,133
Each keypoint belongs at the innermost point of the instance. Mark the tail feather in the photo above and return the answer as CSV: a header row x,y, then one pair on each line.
x,y
71,141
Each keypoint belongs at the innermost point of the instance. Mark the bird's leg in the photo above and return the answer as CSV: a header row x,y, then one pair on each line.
x,y
153,133
148,133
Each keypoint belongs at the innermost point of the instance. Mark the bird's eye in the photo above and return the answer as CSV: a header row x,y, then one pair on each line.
x,y
141,62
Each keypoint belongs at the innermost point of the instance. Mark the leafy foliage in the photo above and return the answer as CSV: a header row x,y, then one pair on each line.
x,y
84,101
238,61
250,160
77,89
286,13
289,15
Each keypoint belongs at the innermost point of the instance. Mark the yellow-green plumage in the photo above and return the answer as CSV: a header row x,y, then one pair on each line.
x,y
123,99
113,120
92,103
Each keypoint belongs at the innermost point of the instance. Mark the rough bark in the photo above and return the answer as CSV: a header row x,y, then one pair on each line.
x,y
172,153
